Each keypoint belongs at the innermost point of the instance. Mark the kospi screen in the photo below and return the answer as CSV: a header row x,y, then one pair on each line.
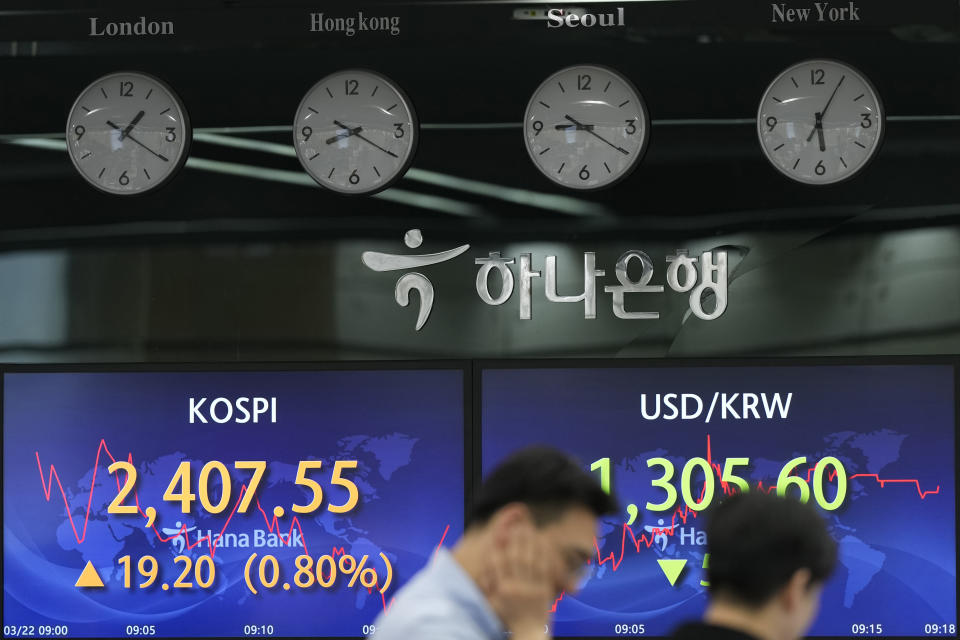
x,y
873,446
231,503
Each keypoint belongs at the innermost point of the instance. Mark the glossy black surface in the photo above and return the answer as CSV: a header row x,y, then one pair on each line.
x,y
242,257
701,66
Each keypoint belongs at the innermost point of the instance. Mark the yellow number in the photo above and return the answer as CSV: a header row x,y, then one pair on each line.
x,y
181,477
603,464
117,505
179,583
125,561
304,570
664,483
274,573
686,485
727,476
211,571
818,484
304,480
331,573
351,488
203,482
151,573
785,480
259,467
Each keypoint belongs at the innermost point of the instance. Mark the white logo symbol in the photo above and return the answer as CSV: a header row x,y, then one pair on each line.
x,y
409,281
660,535
180,541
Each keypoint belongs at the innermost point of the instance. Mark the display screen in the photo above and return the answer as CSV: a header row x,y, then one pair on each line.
x,y
872,446
212,504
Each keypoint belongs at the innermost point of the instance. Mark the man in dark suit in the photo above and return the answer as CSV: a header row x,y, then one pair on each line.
x,y
769,559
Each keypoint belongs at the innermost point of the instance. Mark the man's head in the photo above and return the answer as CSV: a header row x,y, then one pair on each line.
x,y
547,489
769,554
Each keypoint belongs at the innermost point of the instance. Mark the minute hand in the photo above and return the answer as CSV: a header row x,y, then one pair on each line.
x,y
594,133
369,141
134,140
824,112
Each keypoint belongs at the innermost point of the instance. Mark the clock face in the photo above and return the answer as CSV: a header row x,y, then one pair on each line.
x,y
820,122
127,133
355,132
586,127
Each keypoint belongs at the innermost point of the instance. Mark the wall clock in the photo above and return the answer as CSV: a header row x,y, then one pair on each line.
x,y
128,133
586,127
355,132
820,122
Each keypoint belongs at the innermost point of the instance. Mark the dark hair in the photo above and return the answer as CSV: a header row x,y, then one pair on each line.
x,y
547,480
758,541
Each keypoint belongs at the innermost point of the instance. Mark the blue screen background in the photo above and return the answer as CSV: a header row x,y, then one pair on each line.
x,y
897,562
404,427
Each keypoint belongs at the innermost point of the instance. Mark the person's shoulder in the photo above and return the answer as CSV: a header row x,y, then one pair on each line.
x,y
427,608
437,618
702,631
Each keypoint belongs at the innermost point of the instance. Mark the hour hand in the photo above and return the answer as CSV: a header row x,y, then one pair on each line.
x,y
346,134
818,129
816,120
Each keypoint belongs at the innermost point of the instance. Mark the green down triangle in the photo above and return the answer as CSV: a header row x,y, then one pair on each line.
x,y
672,569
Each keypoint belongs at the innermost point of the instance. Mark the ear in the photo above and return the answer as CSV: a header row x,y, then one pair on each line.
x,y
506,519
792,594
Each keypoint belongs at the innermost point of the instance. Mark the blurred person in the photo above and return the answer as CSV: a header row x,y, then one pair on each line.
x,y
769,560
528,538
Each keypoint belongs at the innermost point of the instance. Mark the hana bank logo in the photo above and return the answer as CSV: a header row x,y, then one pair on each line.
x,y
179,541
704,278
410,281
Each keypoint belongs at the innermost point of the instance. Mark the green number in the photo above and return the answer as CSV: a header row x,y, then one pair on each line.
x,y
603,464
786,480
727,476
818,484
664,483
686,486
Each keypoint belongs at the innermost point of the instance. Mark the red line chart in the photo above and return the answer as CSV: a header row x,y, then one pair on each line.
x,y
273,525
684,513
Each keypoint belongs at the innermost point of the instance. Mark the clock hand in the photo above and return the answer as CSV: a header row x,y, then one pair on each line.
x,y
365,139
133,123
356,132
595,134
578,127
819,115
823,147
817,124
162,157
567,116
824,112
110,124
341,136
350,132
